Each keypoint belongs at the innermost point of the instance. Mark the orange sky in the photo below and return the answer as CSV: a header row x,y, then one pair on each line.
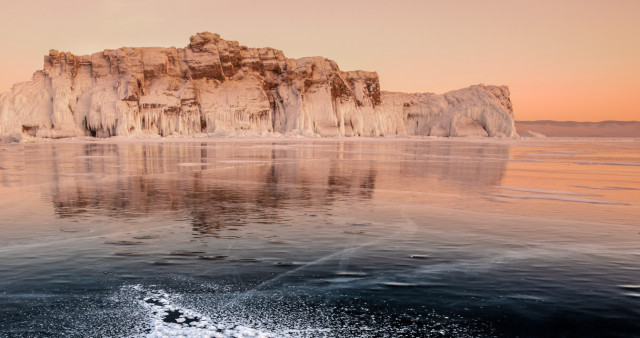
x,y
563,60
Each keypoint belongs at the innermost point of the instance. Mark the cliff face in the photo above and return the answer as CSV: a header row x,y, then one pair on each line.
x,y
213,85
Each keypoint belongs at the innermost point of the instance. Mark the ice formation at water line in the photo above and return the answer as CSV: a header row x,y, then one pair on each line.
x,y
218,86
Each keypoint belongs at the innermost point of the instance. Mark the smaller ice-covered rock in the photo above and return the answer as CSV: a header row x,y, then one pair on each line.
x,y
474,111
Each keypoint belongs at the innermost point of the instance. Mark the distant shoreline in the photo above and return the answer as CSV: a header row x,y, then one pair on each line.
x,y
574,122
550,128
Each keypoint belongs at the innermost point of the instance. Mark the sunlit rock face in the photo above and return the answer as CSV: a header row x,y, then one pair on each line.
x,y
214,86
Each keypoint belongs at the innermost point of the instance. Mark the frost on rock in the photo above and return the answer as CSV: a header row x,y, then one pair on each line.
x,y
215,86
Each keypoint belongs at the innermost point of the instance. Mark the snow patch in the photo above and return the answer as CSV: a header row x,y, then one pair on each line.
x,y
557,198
168,319
545,191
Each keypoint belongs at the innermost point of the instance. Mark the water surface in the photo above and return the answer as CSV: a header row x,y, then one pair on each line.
x,y
320,238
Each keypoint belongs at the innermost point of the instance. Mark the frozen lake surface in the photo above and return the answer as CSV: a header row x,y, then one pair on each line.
x,y
320,238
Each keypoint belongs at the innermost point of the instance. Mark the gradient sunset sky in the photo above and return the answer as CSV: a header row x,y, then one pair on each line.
x,y
563,60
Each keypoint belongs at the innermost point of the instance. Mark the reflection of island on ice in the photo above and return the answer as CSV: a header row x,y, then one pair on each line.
x,y
237,184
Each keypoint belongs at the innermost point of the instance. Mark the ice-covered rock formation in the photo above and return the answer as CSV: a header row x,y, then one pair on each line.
x,y
475,111
214,85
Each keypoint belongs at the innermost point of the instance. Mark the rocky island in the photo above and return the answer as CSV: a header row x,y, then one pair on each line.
x,y
215,86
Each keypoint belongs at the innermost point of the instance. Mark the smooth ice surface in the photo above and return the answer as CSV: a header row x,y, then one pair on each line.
x,y
320,237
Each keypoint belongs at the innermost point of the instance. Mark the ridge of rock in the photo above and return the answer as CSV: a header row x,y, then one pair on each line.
x,y
213,85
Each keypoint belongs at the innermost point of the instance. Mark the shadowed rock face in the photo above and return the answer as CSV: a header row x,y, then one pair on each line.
x,y
214,85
